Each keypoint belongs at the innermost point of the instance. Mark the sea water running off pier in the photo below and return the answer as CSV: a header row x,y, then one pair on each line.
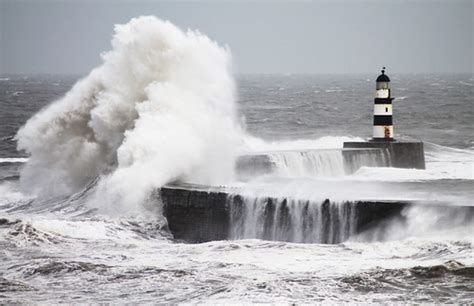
x,y
81,200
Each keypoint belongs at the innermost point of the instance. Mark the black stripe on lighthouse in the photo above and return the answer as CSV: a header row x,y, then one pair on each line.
x,y
383,100
383,120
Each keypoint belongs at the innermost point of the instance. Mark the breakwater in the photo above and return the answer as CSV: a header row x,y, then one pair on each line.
x,y
204,213
403,153
196,215
201,213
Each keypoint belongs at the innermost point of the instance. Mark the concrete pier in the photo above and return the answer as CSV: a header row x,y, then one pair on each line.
x,y
199,214
403,153
196,215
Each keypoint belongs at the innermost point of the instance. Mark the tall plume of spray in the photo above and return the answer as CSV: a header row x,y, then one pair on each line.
x,y
161,107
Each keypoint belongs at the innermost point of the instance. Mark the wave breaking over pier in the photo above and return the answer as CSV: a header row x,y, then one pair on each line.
x,y
311,163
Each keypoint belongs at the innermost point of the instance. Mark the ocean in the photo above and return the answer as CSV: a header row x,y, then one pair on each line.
x,y
80,156
54,251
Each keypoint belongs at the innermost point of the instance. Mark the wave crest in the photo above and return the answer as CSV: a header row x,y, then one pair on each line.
x,y
159,108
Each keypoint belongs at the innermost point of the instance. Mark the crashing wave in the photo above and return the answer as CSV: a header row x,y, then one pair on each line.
x,y
160,107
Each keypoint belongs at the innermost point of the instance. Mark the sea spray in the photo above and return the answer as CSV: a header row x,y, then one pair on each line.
x,y
287,219
160,107
443,222
255,144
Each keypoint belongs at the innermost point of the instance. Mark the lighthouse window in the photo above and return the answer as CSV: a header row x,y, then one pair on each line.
x,y
381,85
386,109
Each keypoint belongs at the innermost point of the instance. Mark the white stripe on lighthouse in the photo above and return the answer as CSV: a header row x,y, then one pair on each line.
x,y
382,109
379,131
382,93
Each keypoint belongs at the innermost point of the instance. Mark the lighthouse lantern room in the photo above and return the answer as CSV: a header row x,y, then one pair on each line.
x,y
383,125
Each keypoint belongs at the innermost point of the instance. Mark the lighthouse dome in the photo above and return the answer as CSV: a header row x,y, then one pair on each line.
x,y
383,77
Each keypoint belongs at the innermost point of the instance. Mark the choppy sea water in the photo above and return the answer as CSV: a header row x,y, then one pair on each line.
x,y
62,250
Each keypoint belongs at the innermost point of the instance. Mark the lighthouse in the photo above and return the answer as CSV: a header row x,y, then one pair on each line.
x,y
383,123
404,152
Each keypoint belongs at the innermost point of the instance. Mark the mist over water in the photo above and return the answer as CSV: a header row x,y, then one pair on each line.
x,y
79,200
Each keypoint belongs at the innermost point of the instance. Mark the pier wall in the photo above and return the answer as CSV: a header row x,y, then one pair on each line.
x,y
403,154
200,215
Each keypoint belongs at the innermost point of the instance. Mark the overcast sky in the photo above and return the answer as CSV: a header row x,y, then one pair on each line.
x,y
38,36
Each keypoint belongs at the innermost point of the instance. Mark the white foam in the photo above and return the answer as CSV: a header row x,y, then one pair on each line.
x,y
334,90
253,144
466,83
310,163
438,153
401,98
409,175
427,222
160,107
85,229
10,193
441,163
13,160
